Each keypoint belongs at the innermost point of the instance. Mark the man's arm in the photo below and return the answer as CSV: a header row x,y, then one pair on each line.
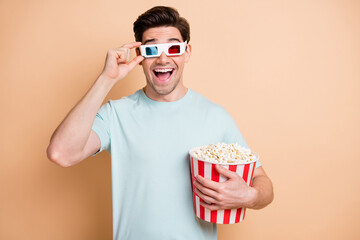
x,y
264,189
234,192
74,140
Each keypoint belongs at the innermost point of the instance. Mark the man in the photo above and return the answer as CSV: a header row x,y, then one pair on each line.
x,y
149,134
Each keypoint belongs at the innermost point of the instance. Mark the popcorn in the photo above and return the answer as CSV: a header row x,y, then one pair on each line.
x,y
233,157
225,153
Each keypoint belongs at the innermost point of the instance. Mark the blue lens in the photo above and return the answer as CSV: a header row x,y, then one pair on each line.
x,y
150,51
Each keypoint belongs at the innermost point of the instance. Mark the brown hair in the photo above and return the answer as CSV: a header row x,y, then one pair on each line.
x,y
161,16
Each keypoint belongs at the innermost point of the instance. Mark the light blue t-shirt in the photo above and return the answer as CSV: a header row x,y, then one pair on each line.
x,y
149,143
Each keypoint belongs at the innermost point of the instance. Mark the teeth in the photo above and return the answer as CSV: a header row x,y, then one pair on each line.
x,y
163,70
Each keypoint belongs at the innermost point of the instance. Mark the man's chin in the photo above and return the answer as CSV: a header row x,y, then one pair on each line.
x,y
163,91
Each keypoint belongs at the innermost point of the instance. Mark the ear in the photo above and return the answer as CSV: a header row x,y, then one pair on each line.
x,y
187,53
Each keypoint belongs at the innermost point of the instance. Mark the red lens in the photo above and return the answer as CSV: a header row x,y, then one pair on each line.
x,y
174,49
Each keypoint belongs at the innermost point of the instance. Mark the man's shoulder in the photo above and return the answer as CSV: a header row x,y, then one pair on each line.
x,y
126,100
124,104
205,103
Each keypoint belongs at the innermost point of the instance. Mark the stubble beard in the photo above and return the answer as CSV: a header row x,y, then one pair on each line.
x,y
168,89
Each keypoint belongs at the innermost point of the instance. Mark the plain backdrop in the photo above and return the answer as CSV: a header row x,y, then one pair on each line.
x,y
287,71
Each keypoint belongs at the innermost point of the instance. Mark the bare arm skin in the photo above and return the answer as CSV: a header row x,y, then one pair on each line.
x,y
234,192
74,140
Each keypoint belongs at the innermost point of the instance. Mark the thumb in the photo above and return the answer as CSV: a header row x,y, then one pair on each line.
x,y
135,62
226,172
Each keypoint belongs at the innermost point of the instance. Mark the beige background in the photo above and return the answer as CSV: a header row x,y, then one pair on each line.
x,y
287,71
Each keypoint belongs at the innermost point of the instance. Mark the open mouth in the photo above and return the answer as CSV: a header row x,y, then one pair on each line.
x,y
163,74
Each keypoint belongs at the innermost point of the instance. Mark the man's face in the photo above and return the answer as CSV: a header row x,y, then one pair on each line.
x,y
163,73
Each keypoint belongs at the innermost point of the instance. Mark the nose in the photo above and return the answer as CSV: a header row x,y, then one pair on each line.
x,y
163,59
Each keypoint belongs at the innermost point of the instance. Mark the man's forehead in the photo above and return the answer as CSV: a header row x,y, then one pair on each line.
x,y
155,41
161,35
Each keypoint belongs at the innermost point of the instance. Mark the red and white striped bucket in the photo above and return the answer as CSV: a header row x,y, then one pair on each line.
x,y
208,170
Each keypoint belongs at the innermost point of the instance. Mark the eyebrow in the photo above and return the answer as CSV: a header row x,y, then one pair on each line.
x,y
152,40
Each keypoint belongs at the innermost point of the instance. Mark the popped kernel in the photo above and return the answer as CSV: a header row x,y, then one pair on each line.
x,y
225,153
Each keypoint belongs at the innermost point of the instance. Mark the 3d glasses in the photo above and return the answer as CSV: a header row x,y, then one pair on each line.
x,y
170,49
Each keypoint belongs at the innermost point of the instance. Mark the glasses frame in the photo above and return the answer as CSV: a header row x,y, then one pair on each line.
x,y
163,47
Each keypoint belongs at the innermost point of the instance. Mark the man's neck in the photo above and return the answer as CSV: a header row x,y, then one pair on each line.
x,y
178,93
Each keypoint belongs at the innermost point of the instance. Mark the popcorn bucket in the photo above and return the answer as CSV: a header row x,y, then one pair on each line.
x,y
207,170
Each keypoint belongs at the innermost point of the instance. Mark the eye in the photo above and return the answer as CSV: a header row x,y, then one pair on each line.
x,y
174,49
151,51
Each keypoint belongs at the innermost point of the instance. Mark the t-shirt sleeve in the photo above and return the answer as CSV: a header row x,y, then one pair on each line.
x,y
232,133
101,127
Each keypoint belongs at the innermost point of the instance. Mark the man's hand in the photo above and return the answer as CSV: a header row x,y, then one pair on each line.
x,y
233,193
117,64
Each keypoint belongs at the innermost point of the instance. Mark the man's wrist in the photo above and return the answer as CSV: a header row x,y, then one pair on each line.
x,y
253,197
105,81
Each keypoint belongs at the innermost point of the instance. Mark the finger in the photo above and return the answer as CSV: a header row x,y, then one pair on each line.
x,y
120,54
208,183
211,207
135,61
123,53
205,190
204,197
226,172
132,45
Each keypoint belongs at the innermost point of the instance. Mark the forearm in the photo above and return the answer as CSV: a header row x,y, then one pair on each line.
x,y
263,190
70,137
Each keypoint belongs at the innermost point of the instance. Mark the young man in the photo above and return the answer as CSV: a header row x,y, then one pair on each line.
x,y
149,134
